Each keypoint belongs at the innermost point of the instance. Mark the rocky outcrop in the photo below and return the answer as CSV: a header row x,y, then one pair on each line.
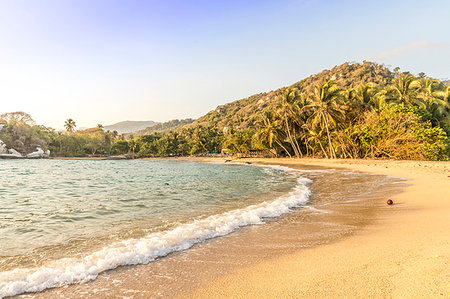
x,y
38,154
11,153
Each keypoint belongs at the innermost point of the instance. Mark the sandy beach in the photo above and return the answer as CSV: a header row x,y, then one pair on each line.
x,y
372,250
405,254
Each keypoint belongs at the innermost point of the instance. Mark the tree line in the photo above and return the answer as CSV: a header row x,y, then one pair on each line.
x,y
406,119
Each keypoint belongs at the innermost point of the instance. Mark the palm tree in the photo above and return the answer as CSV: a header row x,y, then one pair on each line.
x,y
314,137
431,97
439,104
325,107
269,131
364,97
70,125
380,98
406,89
286,111
427,92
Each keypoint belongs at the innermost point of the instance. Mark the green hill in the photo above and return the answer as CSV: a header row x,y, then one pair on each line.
x,y
244,113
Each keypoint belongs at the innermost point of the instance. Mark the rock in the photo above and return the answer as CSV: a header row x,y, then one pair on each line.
x,y
12,154
39,153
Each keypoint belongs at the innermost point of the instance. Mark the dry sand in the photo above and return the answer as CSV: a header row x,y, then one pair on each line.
x,y
405,254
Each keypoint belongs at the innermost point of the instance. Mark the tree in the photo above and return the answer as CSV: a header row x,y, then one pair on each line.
x,y
19,117
433,104
325,108
120,147
406,89
70,125
286,111
269,132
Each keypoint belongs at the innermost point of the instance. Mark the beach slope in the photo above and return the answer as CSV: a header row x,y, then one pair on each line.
x,y
405,254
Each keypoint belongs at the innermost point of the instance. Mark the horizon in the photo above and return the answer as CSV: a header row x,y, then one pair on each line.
x,y
105,62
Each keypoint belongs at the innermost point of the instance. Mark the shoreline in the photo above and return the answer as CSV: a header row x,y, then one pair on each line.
x,y
134,276
405,253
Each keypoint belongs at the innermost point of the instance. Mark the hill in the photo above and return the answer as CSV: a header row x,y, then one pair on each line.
x,y
129,126
162,128
244,113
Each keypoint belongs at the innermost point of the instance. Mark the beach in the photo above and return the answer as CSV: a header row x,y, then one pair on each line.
x,y
404,254
371,249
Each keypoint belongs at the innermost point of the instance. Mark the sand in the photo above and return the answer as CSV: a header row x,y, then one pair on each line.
x,y
405,254
401,251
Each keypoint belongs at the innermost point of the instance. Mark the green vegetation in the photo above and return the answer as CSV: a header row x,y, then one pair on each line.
x,y
21,133
351,111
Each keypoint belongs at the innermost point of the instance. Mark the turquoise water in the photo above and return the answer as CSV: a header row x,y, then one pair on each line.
x,y
79,218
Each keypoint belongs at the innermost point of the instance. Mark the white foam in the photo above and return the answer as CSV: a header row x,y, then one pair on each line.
x,y
146,249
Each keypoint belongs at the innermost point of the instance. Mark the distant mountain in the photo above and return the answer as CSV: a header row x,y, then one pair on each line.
x,y
165,127
130,126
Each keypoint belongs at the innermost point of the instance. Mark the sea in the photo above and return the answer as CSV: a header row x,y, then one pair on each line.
x,y
65,222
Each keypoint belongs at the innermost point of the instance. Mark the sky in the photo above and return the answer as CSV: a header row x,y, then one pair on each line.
x,y
101,62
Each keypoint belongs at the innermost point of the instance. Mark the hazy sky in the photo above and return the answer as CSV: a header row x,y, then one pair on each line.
x,y
108,61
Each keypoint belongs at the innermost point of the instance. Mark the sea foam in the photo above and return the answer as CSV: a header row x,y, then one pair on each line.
x,y
144,250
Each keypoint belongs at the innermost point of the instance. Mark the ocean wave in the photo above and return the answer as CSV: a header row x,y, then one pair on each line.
x,y
146,249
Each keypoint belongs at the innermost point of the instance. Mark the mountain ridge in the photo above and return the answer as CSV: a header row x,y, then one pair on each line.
x,y
130,126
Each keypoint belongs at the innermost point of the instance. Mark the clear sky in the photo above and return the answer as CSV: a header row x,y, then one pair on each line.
x,y
108,61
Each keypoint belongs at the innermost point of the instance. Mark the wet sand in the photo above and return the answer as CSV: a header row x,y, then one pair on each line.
x,y
404,253
213,268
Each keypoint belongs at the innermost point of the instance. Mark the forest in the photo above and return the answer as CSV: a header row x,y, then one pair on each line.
x,y
355,110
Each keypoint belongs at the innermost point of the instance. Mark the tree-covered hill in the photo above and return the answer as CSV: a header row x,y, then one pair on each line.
x,y
354,110
245,113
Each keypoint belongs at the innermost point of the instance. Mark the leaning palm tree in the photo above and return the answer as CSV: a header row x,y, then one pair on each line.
x,y
325,109
313,139
269,131
70,125
286,111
